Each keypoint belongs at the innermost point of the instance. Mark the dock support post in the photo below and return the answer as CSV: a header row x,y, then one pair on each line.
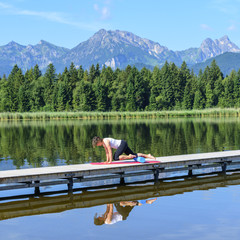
x,y
190,171
156,174
224,167
122,180
70,184
37,189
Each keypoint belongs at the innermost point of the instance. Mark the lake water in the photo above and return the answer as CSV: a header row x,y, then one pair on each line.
x,y
202,208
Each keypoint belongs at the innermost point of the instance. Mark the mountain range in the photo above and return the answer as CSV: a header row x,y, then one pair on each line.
x,y
116,49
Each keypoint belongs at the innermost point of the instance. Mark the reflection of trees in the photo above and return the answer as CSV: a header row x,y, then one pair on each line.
x,y
70,141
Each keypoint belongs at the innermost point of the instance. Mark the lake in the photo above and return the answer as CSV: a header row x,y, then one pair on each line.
x,y
194,208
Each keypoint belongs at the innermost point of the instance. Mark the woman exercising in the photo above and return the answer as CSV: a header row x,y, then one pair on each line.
x,y
121,146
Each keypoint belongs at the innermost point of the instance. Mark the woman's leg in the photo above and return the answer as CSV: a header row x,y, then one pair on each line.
x,y
123,148
126,157
146,155
117,155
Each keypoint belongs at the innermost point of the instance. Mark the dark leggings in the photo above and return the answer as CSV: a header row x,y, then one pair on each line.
x,y
123,148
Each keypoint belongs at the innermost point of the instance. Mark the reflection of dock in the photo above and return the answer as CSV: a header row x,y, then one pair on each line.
x,y
37,177
85,199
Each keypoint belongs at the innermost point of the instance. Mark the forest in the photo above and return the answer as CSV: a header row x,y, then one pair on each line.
x,y
77,89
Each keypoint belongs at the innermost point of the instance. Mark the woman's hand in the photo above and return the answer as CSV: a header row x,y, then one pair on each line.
x,y
108,150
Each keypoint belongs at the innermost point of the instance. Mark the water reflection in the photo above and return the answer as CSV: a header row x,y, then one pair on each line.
x,y
117,198
48,143
119,211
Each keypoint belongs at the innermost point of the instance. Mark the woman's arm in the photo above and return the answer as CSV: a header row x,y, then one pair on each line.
x,y
108,150
109,213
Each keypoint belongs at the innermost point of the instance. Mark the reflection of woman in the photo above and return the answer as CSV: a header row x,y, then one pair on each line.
x,y
123,209
121,146
109,217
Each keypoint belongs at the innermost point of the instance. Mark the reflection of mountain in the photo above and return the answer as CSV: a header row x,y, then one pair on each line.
x,y
86,199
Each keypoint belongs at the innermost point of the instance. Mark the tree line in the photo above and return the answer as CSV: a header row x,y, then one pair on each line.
x,y
130,89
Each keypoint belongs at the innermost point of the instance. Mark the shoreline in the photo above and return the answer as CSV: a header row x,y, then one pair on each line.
x,y
214,112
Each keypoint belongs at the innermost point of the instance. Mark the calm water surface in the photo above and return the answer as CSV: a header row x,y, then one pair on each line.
x,y
184,209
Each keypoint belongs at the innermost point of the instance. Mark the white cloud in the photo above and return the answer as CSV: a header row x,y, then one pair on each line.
x,y
103,11
3,5
96,7
230,7
51,16
205,27
232,27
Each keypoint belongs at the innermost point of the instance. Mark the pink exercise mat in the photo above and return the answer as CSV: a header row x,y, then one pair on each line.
x,y
121,162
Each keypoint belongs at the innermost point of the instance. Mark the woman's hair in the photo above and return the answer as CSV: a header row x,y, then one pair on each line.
x,y
96,140
98,220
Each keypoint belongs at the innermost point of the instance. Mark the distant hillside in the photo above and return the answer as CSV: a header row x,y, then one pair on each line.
x,y
116,49
227,62
26,57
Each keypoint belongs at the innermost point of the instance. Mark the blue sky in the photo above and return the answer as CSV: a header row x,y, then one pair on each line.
x,y
176,24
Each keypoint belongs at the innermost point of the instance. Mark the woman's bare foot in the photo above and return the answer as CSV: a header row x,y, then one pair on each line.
x,y
151,156
131,156
107,162
150,201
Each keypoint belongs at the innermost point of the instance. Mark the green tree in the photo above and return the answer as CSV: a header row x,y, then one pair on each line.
x,y
5,95
101,95
37,95
189,92
183,75
50,78
130,93
36,72
84,97
155,88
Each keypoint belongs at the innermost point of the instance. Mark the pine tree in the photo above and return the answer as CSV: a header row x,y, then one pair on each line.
x,y
37,95
209,96
101,95
189,92
228,97
237,89
84,97
5,95
130,94
62,96
36,72
118,92
23,99
155,88
183,76
141,90
80,73
218,91
50,79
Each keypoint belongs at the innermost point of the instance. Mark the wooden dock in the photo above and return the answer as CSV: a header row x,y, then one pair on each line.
x,y
70,174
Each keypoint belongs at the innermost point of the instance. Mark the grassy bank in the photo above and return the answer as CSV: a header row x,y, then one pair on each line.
x,y
217,112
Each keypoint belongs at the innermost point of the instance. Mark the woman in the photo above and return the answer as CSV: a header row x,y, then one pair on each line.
x,y
121,146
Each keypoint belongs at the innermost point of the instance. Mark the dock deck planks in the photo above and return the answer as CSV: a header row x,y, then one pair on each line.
x,y
88,170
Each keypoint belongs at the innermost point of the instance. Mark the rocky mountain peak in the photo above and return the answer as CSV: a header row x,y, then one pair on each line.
x,y
225,38
42,42
226,45
210,48
113,48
